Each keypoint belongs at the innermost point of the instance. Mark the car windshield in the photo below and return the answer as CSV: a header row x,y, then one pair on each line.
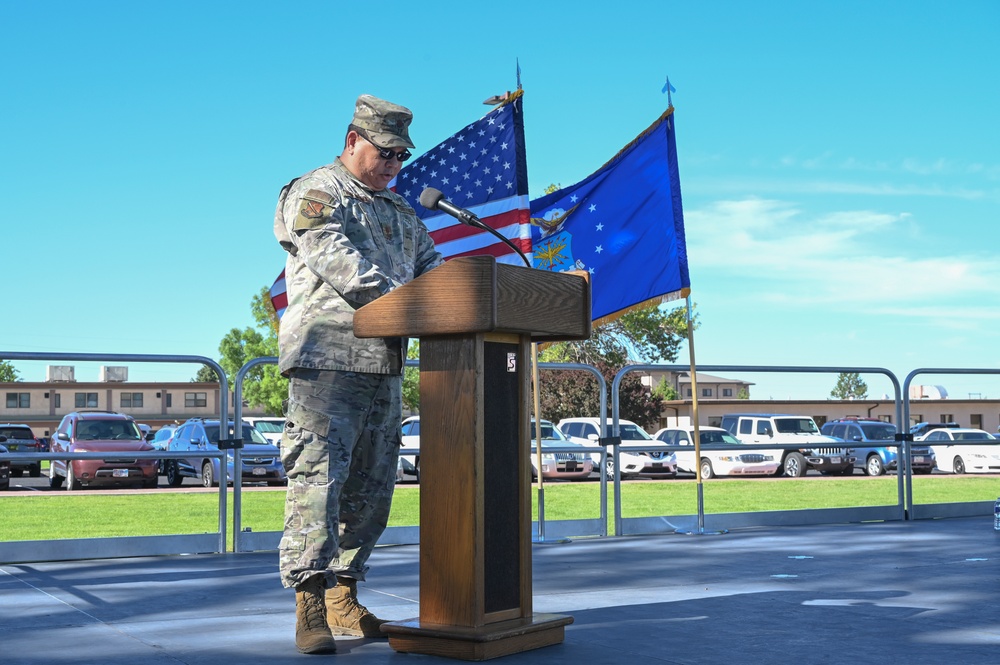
x,y
879,432
104,430
269,427
718,437
630,431
250,435
549,431
795,426
16,433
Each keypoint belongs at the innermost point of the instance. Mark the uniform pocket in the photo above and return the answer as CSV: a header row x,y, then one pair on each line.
x,y
302,417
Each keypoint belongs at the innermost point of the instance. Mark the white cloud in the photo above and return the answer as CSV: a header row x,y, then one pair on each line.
x,y
778,253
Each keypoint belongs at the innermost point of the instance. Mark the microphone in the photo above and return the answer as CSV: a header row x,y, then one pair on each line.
x,y
433,199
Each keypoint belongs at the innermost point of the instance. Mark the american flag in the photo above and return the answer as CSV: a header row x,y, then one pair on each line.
x,y
481,168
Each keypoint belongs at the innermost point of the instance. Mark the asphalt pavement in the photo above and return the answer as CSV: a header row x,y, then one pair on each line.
x,y
913,593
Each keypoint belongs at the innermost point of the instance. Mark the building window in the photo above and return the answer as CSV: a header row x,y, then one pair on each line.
x,y
86,400
170,400
18,400
727,392
131,400
706,392
976,421
195,400
57,398
688,391
947,418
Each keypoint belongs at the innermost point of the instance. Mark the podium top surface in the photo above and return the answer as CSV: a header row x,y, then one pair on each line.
x,y
476,294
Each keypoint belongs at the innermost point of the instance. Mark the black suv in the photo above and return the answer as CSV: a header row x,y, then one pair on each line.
x,y
20,439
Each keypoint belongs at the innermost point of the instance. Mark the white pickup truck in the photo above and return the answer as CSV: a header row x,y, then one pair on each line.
x,y
813,450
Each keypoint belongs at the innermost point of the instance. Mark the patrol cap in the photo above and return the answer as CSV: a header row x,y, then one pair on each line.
x,y
384,123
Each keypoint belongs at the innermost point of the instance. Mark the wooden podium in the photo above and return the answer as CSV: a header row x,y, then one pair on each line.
x,y
476,320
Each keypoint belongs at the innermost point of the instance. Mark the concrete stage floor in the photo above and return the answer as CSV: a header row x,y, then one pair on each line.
x,y
912,593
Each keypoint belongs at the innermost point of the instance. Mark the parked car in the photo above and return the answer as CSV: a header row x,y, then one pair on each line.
x,y
20,439
411,443
813,450
919,429
161,441
558,465
633,455
100,431
876,459
983,457
261,460
4,469
716,462
270,427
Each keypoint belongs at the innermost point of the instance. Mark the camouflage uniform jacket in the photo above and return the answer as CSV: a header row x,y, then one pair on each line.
x,y
347,245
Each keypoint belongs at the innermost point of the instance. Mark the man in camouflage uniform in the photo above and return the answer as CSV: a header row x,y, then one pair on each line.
x,y
349,241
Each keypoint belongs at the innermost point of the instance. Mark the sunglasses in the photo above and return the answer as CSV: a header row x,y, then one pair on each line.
x,y
388,153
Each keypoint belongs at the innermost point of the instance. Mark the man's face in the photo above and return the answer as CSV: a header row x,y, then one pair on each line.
x,y
365,162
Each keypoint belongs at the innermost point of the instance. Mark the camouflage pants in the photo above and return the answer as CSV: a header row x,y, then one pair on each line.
x,y
340,449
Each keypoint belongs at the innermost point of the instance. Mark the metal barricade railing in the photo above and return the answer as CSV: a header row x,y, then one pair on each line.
x,y
602,388
930,511
250,540
622,373
132,546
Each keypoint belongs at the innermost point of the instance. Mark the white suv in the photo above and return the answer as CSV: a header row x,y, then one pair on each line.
x,y
634,455
826,454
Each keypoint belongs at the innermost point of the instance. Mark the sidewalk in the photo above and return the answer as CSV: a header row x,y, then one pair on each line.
x,y
917,593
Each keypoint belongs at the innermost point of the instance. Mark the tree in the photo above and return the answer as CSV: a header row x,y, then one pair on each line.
x,y
644,335
411,379
849,386
205,374
8,373
665,391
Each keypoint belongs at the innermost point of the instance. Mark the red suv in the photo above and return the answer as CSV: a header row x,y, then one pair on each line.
x,y
100,432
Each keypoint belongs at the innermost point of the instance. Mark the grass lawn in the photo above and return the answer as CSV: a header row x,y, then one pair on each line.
x,y
83,515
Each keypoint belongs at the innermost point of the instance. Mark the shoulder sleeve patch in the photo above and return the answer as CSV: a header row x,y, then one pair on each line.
x,y
315,208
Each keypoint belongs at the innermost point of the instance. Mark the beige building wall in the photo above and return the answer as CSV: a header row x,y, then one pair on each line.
x,y
978,413
42,405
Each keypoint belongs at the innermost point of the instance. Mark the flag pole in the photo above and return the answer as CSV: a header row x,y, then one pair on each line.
x,y
538,450
696,427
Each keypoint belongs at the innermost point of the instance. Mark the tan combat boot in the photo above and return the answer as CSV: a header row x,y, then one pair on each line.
x,y
345,615
311,632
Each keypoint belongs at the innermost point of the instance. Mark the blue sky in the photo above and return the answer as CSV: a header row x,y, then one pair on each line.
x,y
839,161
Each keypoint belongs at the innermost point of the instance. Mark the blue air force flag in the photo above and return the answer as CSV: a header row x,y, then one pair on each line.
x,y
624,224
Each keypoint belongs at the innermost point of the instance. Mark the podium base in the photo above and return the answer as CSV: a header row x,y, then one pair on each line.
x,y
480,643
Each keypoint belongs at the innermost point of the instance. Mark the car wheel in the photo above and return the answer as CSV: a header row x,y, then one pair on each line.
x,y
55,480
609,465
706,469
35,471
174,477
847,470
959,465
874,467
795,465
72,484
208,475
416,469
